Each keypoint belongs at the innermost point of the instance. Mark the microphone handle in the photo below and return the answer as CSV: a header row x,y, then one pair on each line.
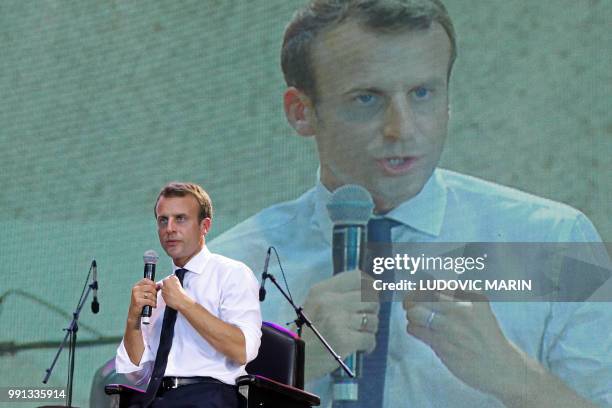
x,y
262,293
95,305
348,247
348,253
264,276
149,273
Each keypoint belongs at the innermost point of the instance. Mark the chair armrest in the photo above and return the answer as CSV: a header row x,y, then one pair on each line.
x,y
288,391
111,389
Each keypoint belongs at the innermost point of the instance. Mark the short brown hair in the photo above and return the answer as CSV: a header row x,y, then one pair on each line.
x,y
178,189
378,15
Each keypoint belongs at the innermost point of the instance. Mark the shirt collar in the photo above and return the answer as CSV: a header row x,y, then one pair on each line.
x,y
197,263
424,212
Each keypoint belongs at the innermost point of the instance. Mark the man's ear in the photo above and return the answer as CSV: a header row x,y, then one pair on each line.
x,y
205,225
299,111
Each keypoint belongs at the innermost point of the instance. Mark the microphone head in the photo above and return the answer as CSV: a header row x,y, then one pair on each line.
x,y
150,257
350,204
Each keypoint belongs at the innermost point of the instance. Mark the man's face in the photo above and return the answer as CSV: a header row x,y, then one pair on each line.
x,y
381,114
180,233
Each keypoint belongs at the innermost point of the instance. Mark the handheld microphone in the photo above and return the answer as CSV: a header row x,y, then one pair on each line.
x,y
95,305
264,276
150,260
350,209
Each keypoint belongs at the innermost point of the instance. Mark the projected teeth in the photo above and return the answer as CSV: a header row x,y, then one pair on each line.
x,y
395,162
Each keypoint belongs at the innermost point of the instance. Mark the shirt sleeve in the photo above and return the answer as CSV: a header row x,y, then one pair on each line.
x,y
240,307
138,374
580,333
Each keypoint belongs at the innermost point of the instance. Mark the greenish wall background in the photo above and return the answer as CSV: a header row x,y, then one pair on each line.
x,y
103,101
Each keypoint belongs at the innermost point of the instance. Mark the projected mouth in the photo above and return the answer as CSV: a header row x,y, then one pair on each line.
x,y
397,165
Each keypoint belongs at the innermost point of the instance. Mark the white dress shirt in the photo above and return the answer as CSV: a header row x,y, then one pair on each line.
x,y
573,341
227,289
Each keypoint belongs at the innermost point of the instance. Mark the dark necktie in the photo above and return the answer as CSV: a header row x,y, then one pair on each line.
x,y
165,343
372,381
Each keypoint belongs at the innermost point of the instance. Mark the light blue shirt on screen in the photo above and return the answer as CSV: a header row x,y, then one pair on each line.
x,y
572,340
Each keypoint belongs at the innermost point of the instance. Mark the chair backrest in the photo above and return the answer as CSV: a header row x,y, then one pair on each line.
x,y
280,357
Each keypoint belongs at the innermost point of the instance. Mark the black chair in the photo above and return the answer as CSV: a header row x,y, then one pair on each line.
x,y
275,378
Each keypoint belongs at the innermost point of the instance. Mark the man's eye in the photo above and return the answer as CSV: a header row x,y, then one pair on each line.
x,y
162,221
421,93
366,99
180,218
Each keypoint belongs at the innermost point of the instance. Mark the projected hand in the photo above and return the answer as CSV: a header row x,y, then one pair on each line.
x,y
465,335
335,308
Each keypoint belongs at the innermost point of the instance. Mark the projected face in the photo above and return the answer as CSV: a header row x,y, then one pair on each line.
x,y
180,233
381,113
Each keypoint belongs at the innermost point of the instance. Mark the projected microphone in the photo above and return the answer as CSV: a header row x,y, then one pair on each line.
x,y
264,276
95,306
150,260
350,209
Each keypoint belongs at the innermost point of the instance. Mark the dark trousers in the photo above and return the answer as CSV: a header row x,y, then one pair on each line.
x,y
201,395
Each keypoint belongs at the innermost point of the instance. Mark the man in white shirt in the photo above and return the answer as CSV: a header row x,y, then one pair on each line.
x,y
213,300
368,80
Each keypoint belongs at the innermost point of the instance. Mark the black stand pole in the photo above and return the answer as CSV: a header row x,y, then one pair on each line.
x,y
71,334
303,319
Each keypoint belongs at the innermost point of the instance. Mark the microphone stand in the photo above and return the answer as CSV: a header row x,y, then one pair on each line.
x,y
71,333
303,319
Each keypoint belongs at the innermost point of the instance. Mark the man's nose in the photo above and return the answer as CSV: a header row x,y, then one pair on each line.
x,y
399,120
170,226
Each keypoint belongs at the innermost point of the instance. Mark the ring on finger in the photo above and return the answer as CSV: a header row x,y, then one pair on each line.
x,y
364,322
430,319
